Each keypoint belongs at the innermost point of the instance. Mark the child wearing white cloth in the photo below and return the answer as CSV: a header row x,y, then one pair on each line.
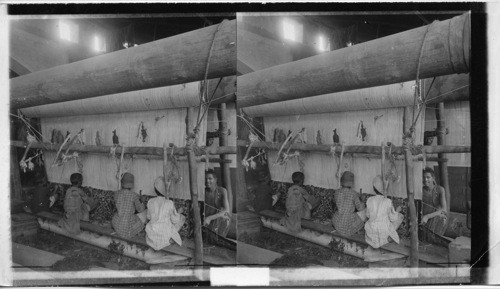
x,y
383,219
165,222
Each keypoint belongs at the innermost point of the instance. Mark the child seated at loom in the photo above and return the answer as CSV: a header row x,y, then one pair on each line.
x,y
126,223
299,204
383,220
348,219
77,206
165,222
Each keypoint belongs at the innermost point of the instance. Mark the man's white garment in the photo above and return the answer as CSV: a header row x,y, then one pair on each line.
x,y
383,221
164,223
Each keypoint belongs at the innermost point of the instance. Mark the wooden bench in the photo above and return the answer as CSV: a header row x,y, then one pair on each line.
x,y
224,256
428,253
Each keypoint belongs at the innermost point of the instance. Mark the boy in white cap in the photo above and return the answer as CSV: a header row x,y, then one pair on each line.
x,y
165,222
383,219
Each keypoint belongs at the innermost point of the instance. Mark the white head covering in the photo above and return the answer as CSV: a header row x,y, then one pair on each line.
x,y
160,185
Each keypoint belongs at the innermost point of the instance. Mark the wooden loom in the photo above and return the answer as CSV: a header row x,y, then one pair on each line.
x,y
136,69
386,62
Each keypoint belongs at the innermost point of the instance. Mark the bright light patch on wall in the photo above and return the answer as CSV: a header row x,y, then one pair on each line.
x,y
292,30
289,30
68,31
321,43
99,45
64,31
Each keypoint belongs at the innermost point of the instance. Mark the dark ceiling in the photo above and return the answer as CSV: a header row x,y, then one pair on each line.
x,y
142,30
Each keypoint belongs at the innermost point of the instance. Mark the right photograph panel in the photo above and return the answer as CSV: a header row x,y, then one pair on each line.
x,y
354,142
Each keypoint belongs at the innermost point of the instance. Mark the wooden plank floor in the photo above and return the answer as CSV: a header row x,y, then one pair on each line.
x,y
33,257
428,253
187,249
252,255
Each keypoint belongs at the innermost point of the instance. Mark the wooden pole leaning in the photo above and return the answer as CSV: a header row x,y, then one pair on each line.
x,y
193,186
407,120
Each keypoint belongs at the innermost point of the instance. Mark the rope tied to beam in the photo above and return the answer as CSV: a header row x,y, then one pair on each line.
x,y
417,93
205,103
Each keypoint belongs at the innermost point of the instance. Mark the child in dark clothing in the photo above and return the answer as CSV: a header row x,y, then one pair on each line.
x,y
263,194
299,204
77,206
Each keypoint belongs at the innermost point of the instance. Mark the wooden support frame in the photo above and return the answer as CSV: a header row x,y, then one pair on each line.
x,y
145,151
353,149
225,170
443,167
193,185
407,131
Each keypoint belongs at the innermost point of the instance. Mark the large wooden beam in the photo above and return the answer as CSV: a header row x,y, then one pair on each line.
x,y
174,96
174,60
152,151
391,59
447,88
361,149
444,88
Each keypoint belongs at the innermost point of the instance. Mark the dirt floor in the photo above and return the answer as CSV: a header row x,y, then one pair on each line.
x,y
299,253
78,255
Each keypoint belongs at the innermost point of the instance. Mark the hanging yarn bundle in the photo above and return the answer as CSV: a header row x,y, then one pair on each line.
x,y
249,162
62,158
283,157
142,132
392,173
173,174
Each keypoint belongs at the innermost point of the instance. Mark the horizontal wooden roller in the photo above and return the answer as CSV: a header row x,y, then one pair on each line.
x,y
175,96
439,48
174,60
445,88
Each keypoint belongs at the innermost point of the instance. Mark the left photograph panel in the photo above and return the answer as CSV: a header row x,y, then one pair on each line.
x,y
123,147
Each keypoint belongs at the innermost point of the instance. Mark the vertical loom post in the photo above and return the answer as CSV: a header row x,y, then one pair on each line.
x,y
443,167
225,171
165,168
382,175
15,176
119,174
407,122
193,186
